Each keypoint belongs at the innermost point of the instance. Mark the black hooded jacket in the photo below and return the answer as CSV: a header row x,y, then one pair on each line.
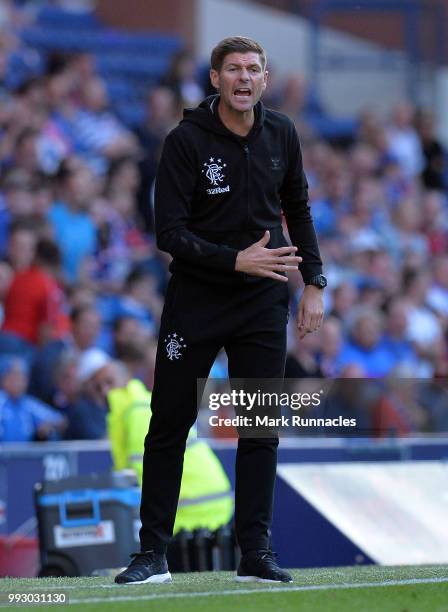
x,y
216,193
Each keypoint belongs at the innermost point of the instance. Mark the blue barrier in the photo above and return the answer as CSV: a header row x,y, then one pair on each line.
x,y
22,465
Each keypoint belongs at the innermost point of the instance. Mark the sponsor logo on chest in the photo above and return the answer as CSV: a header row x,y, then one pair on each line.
x,y
214,172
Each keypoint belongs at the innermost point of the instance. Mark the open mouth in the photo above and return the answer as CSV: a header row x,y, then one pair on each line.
x,y
243,92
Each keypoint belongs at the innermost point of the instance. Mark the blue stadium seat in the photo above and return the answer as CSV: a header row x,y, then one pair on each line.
x,y
332,128
132,115
55,17
23,64
131,63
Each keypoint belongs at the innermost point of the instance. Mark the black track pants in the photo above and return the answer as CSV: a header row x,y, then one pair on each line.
x,y
197,321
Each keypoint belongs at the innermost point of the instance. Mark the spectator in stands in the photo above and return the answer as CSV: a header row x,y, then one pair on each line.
x,y
43,197
123,177
364,162
409,244
352,370
140,300
368,209
398,411
344,298
432,397
135,357
34,305
404,142
433,152
108,267
350,397
385,270
65,387
87,414
20,254
26,154
369,126
395,338
31,94
128,330
161,117
73,228
301,360
371,292
437,297
121,191
423,327
293,98
330,345
83,67
364,346
16,188
182,79
134,346
334,201
22,417
21,245
58,137
435,221
85,327
123,182
100,134
6,275
362,247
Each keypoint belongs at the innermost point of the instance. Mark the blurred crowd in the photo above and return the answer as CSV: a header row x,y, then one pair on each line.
x,y
79,267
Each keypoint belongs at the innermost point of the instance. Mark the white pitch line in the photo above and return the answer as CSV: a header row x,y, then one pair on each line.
x,y
316,587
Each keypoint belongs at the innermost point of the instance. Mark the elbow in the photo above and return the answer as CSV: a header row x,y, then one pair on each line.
x,y
164,241
161,242
168,242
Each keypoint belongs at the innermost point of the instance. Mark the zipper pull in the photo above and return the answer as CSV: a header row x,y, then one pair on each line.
x,y
246,149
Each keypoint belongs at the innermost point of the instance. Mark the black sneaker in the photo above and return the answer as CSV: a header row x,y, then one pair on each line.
x,y
145,567
261,566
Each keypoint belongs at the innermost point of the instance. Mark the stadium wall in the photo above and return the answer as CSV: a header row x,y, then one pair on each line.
x,y
169,16
288,40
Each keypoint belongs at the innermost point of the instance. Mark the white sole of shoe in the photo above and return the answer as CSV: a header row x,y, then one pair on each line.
x,y
156,579
257,579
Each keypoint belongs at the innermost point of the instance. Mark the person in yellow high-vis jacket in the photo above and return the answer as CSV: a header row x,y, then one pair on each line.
x,y
206,499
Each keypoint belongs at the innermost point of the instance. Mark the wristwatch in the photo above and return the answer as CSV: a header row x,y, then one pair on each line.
x,y
318,281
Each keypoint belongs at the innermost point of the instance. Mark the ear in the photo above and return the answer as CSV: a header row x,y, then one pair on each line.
x,y
265,79
214,78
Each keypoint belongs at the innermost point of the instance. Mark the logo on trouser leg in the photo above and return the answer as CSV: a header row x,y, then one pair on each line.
x,y
174,346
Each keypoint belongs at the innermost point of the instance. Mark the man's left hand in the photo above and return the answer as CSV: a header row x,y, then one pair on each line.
x,y
311,310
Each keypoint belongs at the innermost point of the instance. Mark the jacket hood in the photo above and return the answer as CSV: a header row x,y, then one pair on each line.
x,y
206,117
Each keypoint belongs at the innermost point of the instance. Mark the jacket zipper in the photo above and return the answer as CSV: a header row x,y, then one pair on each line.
x,y
247,155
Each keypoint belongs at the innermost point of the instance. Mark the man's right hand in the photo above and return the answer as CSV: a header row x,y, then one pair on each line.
x,y
257,260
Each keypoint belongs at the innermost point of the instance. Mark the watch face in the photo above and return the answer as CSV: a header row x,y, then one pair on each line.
x,y
318,281
322,281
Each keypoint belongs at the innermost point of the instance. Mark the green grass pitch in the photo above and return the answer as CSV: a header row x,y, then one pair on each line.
x,y
345,589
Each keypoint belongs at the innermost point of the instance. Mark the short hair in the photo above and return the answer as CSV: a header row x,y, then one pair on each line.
x,y
79,311
121,320
236,44
22,224
57,63
130,352
48,253
135,276
25,134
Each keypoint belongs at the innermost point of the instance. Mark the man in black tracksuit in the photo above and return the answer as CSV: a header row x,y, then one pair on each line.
x,y
227,173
